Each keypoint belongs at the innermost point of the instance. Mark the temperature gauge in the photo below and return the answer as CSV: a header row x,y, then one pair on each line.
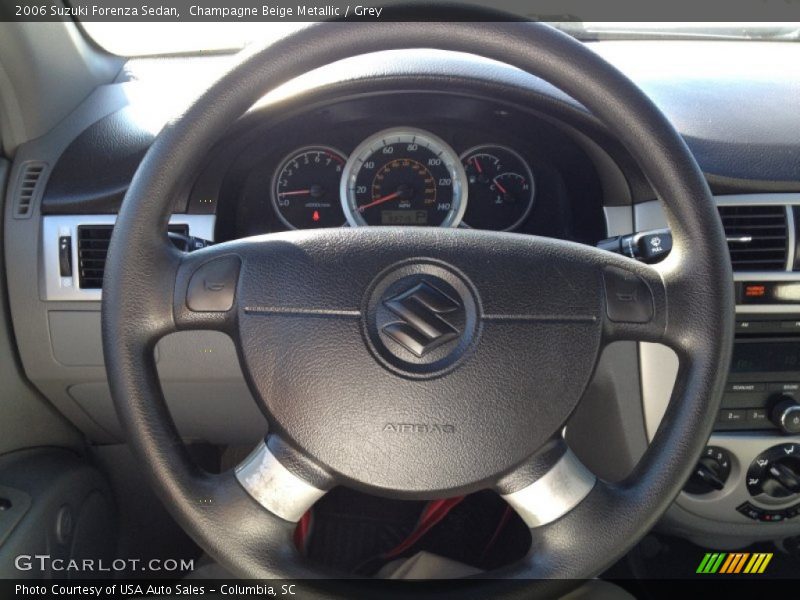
x,y
501,188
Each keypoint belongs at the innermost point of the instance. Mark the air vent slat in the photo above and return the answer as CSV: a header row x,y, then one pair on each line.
x,y
93,243
756,250
26,190
751,216
93,264
763,265
742,227
757,236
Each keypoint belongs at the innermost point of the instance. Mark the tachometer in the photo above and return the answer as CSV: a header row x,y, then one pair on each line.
x,y
404,177
501,188
305,189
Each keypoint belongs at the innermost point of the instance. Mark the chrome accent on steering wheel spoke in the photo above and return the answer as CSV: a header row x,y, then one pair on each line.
x,y
554,494
273,486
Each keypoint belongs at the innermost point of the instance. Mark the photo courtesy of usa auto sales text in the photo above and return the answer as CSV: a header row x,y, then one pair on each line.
x,y
137,590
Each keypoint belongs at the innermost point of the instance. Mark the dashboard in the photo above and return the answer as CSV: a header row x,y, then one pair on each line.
x,y
437,139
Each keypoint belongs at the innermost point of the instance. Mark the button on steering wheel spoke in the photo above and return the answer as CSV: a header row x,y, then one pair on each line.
x,y
637,303
205,288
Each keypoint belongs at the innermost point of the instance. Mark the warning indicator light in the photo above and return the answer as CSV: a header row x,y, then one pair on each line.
x,y
755,291
315,216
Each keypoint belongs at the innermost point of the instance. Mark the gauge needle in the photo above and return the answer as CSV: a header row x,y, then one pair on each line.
x,y
380,200
500,187
295,193
477,164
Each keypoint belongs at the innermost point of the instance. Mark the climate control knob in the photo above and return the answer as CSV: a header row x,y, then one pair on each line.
x,y
786,414
775,474
711,472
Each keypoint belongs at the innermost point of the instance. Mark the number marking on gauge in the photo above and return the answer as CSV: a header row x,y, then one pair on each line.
x,y
404,177
305,189
501,188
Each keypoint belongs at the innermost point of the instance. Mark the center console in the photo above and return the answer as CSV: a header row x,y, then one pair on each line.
x,y
747,482
762,403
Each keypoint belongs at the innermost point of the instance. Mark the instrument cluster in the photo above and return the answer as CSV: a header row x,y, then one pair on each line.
x,y
404,176
403,158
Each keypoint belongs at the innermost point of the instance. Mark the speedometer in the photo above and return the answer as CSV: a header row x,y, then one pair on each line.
x,y
404,177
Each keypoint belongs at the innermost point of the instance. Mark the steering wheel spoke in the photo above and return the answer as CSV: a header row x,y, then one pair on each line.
x,y
281,480
548,485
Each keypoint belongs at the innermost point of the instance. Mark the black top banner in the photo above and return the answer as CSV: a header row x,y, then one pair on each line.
x,y
732,11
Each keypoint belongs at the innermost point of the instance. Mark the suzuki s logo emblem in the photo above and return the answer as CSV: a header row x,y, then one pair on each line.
x,y
420,318
423,323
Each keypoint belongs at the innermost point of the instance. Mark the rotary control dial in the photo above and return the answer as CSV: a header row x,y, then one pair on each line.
x,y
711,472
774,475
786,414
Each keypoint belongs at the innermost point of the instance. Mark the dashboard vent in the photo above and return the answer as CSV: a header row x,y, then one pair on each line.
x,y
26,189
92,250
757,236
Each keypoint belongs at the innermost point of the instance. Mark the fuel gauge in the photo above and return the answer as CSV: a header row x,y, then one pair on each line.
x,y
501,188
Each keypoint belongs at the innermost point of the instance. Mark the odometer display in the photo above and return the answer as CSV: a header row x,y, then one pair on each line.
x,y
404,177
305,189
404,217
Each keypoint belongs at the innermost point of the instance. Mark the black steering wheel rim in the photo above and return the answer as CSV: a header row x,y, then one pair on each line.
x,y
697,323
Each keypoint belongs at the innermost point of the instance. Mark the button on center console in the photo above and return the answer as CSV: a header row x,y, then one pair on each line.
x,y
786,414
750,405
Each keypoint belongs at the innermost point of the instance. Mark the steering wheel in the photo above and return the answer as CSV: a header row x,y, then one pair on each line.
x,y
418,362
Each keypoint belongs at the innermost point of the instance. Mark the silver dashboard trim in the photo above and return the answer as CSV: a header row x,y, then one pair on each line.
x,y
619,220
66,289
762,198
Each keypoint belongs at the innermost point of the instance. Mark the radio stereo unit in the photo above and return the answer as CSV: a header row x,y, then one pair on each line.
x,y
763,388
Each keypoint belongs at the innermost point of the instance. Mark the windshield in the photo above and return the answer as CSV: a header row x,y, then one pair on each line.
x,y
139,39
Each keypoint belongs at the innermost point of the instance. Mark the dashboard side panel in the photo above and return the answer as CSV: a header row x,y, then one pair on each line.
x,y
19,402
